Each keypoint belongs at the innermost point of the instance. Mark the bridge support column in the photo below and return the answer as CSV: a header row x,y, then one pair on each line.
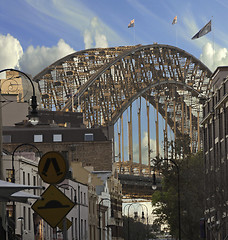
x,y
182,116
130,147
190,116
157,130
119,144
166,133
174,125
198,130
122,132
148,134
139,135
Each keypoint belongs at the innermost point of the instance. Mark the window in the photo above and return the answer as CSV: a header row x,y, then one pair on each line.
x,y
88,137
9,175
28,178
72,229
85,234
75,227
23,178
220,116
38,138
34,184
24,215
210,136
226,120
6,138
29,219
57,137
82,228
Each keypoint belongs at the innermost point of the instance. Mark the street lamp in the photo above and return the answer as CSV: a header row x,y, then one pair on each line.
x,y
33,115
99,211
65,186
129,206
143,217
178,188
13,173
21,219
128,225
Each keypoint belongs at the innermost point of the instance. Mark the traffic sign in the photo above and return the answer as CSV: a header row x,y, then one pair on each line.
x,y
53,167
53,206
68,224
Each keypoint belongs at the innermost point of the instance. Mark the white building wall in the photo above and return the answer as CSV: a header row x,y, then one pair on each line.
x,y
26,172
80,213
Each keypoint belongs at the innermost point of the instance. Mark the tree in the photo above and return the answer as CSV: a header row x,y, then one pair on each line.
x,y
137,230
191,171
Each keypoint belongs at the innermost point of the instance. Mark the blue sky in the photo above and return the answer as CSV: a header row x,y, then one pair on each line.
x,y
35,33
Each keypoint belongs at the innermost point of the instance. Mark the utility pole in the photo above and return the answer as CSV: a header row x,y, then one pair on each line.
x,y
2,204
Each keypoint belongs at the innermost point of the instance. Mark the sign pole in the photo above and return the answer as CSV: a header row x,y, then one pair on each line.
x,y
65,229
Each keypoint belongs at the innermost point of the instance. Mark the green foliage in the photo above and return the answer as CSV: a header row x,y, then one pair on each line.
x,y
191,172
136,229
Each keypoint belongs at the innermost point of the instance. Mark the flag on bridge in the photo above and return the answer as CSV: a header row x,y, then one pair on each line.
x,y
203,31
174,20
132,23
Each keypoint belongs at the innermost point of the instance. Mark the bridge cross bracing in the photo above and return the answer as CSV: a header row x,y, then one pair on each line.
x,y
104,82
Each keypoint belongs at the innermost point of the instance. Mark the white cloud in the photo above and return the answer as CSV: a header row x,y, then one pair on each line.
x,y
36,59
33,60
144,149
10,51
95,34
214,57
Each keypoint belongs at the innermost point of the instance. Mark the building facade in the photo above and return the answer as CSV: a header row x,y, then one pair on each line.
x,y
20,215
57,132
215,126
79,215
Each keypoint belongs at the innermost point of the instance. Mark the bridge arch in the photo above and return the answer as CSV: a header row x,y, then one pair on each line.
x,y
105,82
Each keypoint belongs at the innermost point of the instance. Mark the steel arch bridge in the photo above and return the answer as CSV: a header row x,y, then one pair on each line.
x,y
104,82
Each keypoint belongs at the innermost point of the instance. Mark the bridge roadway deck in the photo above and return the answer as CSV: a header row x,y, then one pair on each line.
x,y
137,186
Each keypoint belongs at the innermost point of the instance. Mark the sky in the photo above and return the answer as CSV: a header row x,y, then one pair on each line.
x,y
36,33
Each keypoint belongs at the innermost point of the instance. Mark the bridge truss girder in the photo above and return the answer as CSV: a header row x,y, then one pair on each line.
x,y
105,82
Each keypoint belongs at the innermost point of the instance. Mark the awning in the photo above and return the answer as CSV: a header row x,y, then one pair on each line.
x,y
13,192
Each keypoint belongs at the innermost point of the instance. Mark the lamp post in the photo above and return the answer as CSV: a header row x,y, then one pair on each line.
x,y
13,175
65,186
128,222
21,219
99,217
141,204
178,188
33,115
128,225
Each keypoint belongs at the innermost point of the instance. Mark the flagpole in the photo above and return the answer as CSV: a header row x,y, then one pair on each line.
x,y
174,23
176,36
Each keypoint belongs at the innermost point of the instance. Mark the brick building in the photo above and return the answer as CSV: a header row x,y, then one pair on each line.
x,y
63,132
215,125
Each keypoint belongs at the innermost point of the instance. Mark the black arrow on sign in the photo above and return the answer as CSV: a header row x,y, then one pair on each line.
x,y
55,165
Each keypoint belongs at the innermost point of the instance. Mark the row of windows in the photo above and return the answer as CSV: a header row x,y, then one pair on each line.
x,y
80,199
219,128
26,219
55,138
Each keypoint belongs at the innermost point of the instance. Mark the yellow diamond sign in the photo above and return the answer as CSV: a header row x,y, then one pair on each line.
x,y
53,206
61,224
